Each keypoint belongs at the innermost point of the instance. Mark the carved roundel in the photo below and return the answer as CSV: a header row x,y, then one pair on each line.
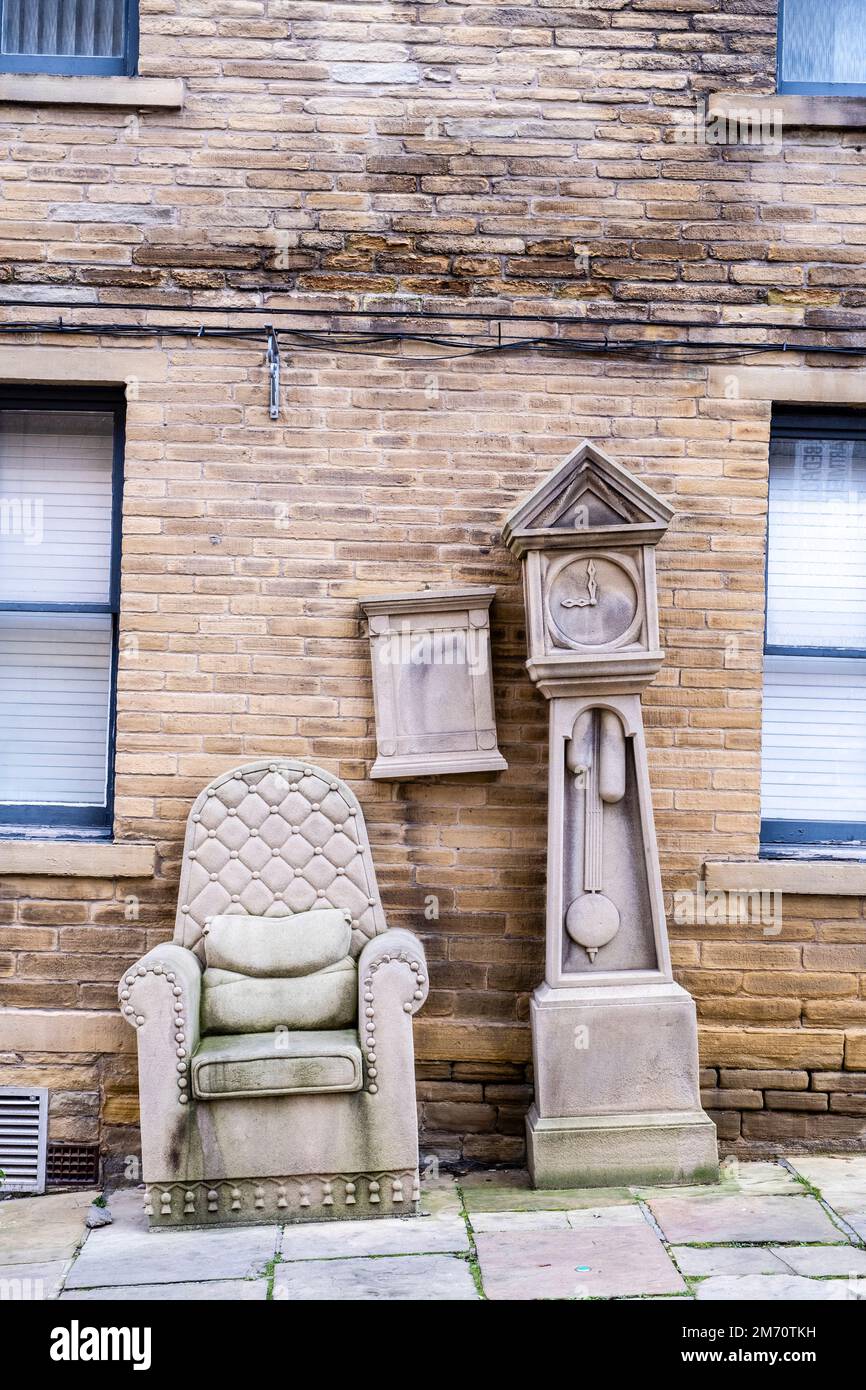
x,y
592,601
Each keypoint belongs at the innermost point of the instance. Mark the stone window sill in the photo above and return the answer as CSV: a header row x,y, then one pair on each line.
x,y
134,92
811,877
789,109
77,858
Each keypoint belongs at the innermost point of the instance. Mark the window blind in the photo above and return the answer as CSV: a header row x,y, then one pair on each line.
x,y
55,687
824,42
816,559
814,739
55,506
814,710
55,549
81,28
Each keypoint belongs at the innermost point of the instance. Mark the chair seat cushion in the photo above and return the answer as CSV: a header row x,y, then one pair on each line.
x,y
296,944
276,1064
234,1003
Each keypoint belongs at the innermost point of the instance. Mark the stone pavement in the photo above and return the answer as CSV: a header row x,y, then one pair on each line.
x,y
788,1230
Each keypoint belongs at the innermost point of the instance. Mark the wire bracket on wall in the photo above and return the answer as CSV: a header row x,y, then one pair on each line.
x,y
273,374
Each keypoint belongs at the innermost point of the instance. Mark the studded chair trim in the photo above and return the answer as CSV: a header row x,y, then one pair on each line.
x,y
271,839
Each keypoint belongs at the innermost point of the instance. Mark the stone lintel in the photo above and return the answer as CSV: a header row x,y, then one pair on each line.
x,y
792,109
40,89
812,877
77,858
64,1030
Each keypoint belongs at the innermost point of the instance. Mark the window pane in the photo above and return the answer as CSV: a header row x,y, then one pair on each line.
x,y
55,686
824,41
814,739
816,570
83,28
55,506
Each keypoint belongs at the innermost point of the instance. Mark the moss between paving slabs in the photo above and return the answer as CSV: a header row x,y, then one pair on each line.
x,y
474,1264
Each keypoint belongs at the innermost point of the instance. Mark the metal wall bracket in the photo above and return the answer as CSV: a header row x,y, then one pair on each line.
x,y
273,374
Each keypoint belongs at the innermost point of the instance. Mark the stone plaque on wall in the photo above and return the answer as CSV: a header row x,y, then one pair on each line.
x,y
432,683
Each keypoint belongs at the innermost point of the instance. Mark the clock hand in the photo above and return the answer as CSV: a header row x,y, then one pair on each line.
x,y
591,584
591,591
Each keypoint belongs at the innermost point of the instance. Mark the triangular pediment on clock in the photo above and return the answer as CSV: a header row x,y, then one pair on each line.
x,y
590,499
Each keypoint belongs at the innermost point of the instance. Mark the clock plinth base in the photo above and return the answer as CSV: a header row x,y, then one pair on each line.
x,y
644,1149
617,1097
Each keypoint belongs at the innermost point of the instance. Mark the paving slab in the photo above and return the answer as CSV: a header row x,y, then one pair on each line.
x,y
510,1190
485,1178
720,1219
726,1259
387,1235
421,1278
841,1180
441,1196
600,1258
572,1243
855,1219
735,1178
608,1217
115,1255
36,1282
126,1205
823,1259
841,1173
760,1177
661,1298
750,1288
212,1291
519,1221
40,1230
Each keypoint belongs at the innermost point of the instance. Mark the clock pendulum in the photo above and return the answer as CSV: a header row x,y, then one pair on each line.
x,y
596,757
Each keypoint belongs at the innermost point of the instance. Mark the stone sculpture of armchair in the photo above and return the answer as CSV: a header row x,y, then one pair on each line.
x,y
276,1065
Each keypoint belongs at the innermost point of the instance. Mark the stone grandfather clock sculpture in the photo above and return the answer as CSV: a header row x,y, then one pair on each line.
x,y
614,1037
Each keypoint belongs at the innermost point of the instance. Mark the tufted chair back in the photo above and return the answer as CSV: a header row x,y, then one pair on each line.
x,y
271,839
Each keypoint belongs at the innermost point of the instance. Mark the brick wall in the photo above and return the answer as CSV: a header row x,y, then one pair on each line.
x,y
518,159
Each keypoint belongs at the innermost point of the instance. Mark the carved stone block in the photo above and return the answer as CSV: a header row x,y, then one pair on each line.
x,y
432,683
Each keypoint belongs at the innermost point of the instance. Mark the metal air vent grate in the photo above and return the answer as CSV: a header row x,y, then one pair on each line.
x,y
72,1165
23,1135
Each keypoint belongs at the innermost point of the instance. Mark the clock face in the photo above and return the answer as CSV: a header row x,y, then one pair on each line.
x,y
591,602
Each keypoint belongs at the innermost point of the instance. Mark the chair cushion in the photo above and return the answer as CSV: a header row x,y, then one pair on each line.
x,y
235,1003
276,1064
297,944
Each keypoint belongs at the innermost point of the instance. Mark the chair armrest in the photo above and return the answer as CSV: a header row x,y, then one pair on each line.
x,y
392,985
160,997
398,948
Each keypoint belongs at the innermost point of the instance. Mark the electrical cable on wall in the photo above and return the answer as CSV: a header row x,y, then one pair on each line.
x,y
390,342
